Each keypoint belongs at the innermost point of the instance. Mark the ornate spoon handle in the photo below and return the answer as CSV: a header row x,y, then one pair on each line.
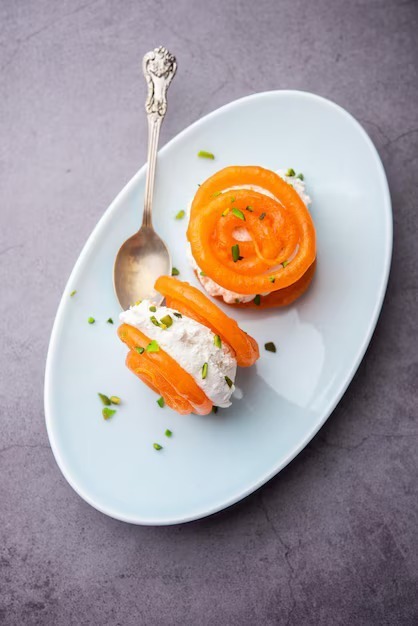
x,y
159,68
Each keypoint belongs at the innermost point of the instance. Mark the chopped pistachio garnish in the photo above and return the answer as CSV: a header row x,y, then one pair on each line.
x,y
214,409
285,263
109,320
175,271
290,172
225,213
228,381
270,347
153,309
106,401
235,252
168,432
180,215
177,314
205,370
217,193
154,320
217,341
91,320
300,176
202,273
139,349
167,320
108,412
257,300
115,399
238,213
262,216
137,302
249,208
203,154
153,346
232,198
272,279
157,446
161,402
73,293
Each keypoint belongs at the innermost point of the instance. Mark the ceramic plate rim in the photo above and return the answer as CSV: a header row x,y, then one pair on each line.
x,y
101,224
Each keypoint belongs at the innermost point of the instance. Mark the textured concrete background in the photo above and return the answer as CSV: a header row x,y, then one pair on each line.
x,y
332,539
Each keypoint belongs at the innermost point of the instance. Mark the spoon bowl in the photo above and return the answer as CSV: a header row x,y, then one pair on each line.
x,y
144,256
140,261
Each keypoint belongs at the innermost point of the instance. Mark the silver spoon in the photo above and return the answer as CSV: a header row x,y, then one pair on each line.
x,y
144,256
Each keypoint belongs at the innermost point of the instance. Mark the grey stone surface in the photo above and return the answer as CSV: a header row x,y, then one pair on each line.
x,y
332,539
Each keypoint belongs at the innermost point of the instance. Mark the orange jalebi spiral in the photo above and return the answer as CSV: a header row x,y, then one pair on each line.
x,y
280,246
195,304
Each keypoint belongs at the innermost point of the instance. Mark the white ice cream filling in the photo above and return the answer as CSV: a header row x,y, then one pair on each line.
x,y
213,288
192,345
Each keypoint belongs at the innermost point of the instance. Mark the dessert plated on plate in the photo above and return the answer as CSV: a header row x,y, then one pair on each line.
x,y
186,351
251,236
252,243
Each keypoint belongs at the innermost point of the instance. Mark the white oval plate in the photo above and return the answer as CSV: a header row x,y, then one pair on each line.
x,y
211,462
